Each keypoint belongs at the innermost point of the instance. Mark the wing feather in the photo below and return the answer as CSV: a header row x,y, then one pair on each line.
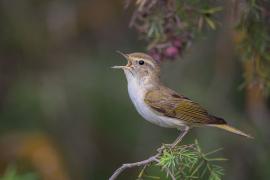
x,y
169,103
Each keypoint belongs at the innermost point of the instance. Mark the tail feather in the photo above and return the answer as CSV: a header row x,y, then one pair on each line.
x,y
231,129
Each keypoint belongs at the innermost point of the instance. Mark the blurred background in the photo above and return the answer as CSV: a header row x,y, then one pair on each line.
x,y
66,115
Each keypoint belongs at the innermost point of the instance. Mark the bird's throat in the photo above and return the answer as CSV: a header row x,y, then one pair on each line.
x,y
142,83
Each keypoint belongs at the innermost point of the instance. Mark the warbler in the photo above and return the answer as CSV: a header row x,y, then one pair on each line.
x,y
161,105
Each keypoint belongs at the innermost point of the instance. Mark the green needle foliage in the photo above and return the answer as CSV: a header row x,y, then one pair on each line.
x,y
255,43
187,162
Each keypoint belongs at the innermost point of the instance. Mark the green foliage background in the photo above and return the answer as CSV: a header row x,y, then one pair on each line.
x,y
59,97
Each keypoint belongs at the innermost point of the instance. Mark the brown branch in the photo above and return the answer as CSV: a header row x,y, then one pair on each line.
x,y
150,159
140,163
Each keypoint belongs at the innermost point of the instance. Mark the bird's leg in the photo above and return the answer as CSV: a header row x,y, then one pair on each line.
x,y
180,137
176,141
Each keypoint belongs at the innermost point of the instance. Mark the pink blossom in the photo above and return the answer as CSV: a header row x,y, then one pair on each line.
x,y
171,52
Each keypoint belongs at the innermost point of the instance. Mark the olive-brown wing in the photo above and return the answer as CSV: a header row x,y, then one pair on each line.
x,y
173,105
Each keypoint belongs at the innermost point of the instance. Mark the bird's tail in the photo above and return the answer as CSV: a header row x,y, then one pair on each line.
x,y
231,129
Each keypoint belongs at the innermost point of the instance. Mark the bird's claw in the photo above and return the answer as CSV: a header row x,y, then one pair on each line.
x,y
165,146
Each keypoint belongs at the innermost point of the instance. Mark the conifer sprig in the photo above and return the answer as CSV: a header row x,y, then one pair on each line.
x,y
188,162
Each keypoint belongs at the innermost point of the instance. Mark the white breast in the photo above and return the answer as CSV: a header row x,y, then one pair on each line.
x,y
137,93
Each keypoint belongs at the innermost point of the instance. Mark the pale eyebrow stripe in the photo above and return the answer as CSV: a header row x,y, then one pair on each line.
x,y
146,60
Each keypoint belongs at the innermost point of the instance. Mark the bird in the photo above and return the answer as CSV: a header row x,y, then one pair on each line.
x,y
161,105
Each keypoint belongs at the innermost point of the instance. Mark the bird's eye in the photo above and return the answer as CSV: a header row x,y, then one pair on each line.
x,y
141,62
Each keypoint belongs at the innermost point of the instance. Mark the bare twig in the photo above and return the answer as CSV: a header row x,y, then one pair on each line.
x,y
149,160
131,165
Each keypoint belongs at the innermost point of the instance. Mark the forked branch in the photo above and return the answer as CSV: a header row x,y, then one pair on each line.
x,y
180,162
154,158
136,164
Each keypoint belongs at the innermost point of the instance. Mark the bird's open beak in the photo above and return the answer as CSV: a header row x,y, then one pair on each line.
x,y
126,66
119,67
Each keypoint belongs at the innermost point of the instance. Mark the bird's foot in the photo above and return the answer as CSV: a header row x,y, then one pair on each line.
x,y
165,146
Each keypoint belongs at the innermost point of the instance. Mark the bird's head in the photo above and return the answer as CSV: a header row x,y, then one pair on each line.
x,y
140,66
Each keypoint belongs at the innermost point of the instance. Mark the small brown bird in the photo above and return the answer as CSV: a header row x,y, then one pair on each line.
x,y
161,105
